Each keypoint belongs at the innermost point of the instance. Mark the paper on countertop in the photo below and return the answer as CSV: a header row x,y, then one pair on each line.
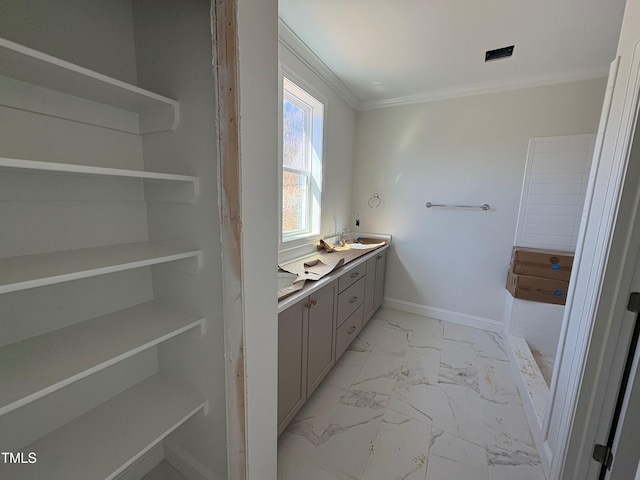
x,y
313,268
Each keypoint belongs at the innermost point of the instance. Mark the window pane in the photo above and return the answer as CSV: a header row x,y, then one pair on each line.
x,y
294,132
294,202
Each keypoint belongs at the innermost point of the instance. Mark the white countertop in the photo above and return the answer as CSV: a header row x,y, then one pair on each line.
x,y
313,286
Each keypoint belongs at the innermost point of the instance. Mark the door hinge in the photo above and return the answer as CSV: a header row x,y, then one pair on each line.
x,y
602,454
634,302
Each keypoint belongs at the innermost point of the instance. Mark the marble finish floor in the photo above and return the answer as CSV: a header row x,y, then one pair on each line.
x,y
413,398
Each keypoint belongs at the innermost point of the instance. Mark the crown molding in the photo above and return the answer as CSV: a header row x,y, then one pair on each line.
x,y
289,40
486,88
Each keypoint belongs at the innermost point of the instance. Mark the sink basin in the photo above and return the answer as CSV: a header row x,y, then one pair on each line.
x,y
366,243
360,246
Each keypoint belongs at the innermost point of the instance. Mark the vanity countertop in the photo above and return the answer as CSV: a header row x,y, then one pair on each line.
x,y
350,260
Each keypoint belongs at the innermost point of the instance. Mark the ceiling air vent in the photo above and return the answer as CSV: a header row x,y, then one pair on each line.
x,y
498,53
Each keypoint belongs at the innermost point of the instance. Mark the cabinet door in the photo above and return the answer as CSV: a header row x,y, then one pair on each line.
x,y
380,271
292,363
321,355
370,289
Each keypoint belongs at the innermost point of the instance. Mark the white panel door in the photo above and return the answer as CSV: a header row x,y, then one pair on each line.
x,y
626,454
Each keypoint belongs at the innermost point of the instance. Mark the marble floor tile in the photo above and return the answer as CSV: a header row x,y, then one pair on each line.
x,y
378,374
394,341
452,458
506,427
490,345
457,353
452,331
496,381
421,365
345,446
510,465
400,450
413,398
346,368
373,331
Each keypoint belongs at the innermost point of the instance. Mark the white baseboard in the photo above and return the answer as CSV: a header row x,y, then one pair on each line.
x,y
185,463
486,324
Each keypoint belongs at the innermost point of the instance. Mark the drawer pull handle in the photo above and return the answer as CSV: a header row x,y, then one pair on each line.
x,y
353,299
351,330
355,274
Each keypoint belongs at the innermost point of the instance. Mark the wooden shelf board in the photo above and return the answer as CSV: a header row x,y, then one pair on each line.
x,y
38,68
102,443
30,271
53,167
35,367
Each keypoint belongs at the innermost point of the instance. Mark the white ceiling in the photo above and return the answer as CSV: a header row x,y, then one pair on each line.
x,y
396,51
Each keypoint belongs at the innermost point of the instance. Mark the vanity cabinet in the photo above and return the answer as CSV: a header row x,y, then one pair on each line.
x,y
315,331
350,308
292,359
374,287
320,345
305,349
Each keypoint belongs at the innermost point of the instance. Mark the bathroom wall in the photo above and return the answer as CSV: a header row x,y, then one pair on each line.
x,y
339,134
452,263
97,35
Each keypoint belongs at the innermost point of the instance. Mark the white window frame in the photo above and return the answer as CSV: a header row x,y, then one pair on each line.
x,y
307,97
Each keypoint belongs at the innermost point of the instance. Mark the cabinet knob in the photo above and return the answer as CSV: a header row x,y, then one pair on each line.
x,y
314,302
355,274
351,330
379,257
353,299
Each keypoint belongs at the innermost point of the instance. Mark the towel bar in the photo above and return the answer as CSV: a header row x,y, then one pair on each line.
x,y
484,206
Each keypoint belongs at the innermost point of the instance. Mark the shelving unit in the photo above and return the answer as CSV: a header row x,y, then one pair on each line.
x,y
41,365
105,441
184,195
30,271
7,164
141,111
102,357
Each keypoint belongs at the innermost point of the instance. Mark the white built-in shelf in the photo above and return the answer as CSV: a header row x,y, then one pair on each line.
x,y
30,271
45,167
102,443
23,66
35,367
32,166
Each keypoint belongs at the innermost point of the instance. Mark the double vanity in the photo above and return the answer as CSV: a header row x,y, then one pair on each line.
x,y
318,322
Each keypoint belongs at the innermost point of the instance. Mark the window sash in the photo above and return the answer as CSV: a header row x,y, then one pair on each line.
x,y
311,170
306,226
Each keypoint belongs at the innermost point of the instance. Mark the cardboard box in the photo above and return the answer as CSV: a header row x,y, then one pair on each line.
x,y
537,289
537,262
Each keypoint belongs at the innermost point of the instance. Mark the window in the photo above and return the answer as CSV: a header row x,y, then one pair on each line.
x,y
302,138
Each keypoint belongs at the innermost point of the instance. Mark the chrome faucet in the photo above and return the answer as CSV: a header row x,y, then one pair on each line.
x,y
343,236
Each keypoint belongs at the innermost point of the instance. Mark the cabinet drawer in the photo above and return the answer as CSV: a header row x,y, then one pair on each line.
x,y
348,331
352,276
350,300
